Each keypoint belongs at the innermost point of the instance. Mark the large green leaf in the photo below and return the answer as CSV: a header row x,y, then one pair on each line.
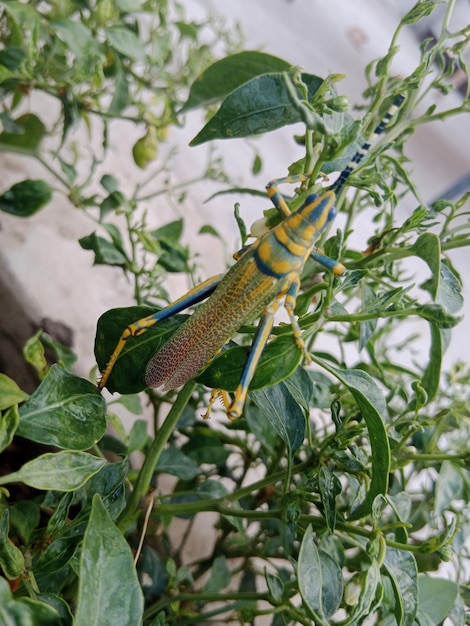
x,y
63,471
259,106
372,406
109,592
25,198
223,76
281,410
65,411
128,373
11,557
436,597
10,393
402,569
25,611
279,359
320,580
26,138
8,425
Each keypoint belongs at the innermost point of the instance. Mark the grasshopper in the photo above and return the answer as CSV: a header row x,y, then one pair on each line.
x,y
266,273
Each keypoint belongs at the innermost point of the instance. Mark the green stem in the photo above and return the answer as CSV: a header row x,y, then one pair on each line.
x,y
142,483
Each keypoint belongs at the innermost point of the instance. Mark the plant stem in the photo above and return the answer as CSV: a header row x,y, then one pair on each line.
x,y
142,483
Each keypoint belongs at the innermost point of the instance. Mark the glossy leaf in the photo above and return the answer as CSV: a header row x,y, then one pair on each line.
x,y
65,411
432,374
11,557
372,406
436,314
25,611
450,487
63,471
27,137
173,461
77,37
125,42
25,516
109,592
8,425
369,590
110,483
300,386
25,198
10,393
223,76
283,413
279,359
128,373
401,567
436,597
428,248
260,105
449,294
220,575
320,580
329,487
106,252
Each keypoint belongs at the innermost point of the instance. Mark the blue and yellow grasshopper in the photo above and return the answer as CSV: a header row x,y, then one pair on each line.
x,y
266,273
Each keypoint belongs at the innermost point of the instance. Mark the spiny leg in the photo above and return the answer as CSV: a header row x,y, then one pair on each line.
x,y
217,394
260,339
139,327
275,195
289,304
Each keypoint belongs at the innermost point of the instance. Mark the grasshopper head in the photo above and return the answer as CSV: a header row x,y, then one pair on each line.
x,y
319,211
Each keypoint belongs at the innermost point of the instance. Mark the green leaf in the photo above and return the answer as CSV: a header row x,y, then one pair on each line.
x,y
65,411
279,359
34,354
128,372
76,36
421,9
320,580
449,294
125,42
436,314
372,406
223,76
432,374
401,567
300,386
220,575
11,557
173,461
25,198
205,446
25,516
8,425
12,57
369,594
450,487
29,132
106,253
109,593
24,611
428,248
61,471
329,487
120,99
283,413
436,597
261,105
10,393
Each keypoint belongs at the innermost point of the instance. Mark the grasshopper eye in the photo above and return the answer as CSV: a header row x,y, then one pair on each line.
x,y
331,214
